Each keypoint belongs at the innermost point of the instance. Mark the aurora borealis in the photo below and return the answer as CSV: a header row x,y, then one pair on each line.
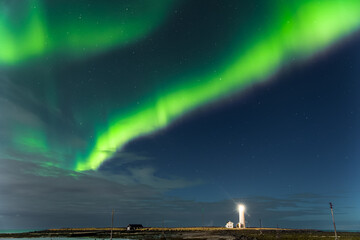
x,y
74,29
167,99
297,30
310,29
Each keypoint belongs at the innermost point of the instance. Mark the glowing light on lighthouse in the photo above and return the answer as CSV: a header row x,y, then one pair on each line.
x,y
241,216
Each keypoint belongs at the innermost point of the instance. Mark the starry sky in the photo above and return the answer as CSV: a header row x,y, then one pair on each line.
x,y
173,111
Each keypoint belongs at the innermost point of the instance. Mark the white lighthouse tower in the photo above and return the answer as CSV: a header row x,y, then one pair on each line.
x,y
241,216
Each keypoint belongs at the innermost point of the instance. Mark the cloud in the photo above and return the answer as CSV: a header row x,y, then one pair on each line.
x,y
33,130
122,158
44,198
63,198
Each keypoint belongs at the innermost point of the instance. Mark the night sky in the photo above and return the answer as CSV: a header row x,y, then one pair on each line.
x,y
173,112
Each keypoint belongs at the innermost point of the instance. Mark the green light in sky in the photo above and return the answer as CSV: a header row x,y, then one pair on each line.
x,y
301,29
91,28
29,40
30,140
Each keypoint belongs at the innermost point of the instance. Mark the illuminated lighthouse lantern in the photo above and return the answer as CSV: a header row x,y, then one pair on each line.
x,y
241,216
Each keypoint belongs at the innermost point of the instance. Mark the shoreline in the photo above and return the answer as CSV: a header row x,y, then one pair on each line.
x,y
185,233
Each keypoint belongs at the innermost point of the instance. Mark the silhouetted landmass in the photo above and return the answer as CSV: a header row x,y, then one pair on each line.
x,y
198,233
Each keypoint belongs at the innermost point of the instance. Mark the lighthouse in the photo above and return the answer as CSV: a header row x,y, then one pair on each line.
x,y
241,216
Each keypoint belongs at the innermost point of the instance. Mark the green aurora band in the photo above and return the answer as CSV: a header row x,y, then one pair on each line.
x,y
28,31
300,30
42,28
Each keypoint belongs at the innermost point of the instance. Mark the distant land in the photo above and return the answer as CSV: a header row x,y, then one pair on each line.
x,y
199,233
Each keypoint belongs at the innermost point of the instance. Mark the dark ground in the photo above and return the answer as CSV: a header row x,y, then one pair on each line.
x,y
188,233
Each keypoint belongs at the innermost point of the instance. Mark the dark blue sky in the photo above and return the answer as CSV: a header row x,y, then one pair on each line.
x,y
297,133
285,147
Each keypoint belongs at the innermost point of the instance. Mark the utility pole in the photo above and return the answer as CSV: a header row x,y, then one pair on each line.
x,y
332,214
112,224
202,217
260,227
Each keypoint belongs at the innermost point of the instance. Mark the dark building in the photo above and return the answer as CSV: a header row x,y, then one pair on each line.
x,y
132,227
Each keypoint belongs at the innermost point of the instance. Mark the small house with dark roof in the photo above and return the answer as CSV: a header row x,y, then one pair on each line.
x,y
132,227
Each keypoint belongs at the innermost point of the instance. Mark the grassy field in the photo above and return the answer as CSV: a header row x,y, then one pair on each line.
x,y
199,233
